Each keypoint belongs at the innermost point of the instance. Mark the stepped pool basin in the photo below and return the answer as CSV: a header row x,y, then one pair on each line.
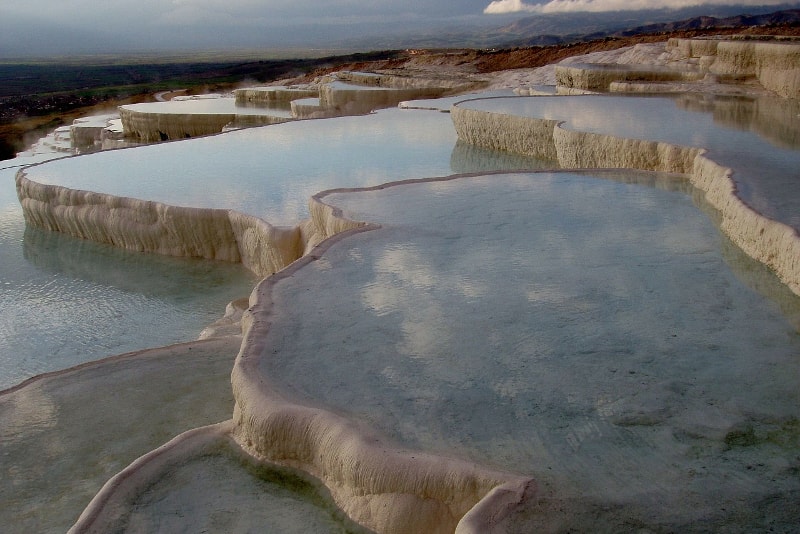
x,y
65,434
269,172
594,330
66,301
212,105
757,137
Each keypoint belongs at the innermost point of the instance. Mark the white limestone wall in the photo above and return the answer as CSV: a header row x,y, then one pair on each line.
x,y
345,99
692,48
263,248
326,221
589,77
386,489
352,93
154,127
777,67
84,136
370,79
775,63
308,108
154,227
266,95
770,242
735,59
499,131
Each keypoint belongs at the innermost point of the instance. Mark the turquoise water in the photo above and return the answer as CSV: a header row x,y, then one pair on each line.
x,y
758,138
65,301
271,172
76,301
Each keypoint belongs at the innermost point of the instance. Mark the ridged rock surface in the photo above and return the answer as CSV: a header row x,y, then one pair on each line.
x,y
773,63
600,77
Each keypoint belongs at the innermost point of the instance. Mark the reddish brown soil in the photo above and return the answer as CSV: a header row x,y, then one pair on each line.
x,y
466,61
484,61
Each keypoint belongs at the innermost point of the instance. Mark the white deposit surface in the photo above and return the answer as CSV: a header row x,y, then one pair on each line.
x,y
516,351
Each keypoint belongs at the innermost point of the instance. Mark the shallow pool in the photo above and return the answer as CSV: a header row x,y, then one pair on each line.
x,y
213,106
271,172
65,301
598,334
758,137
592,330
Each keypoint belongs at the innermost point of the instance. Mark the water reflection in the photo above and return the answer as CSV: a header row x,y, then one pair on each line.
x,y
271,171
64,436
149,274
469,158
775,119
276,169
212,105
589,332
64,301
766,166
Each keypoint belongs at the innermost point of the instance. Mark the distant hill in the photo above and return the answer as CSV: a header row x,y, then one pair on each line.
x,y
788,16
561,28
530,27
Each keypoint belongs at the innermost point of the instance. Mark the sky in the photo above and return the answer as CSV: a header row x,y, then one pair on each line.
x,y
82,26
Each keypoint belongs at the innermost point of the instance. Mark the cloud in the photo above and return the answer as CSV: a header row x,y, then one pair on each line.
x,y
567,6
509,6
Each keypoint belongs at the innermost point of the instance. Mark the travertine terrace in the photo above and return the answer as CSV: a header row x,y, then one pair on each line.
x,y
767,62
381,486
342,93
162,121
771,242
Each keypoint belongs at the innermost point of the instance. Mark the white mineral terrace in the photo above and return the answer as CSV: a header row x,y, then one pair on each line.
x,y
192,117
260,95
56,291
594,332
444,346
267,229
338,94
752,183
771,64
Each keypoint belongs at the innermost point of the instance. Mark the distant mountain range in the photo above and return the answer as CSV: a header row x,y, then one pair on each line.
x,y
703,22
788,16
562,28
